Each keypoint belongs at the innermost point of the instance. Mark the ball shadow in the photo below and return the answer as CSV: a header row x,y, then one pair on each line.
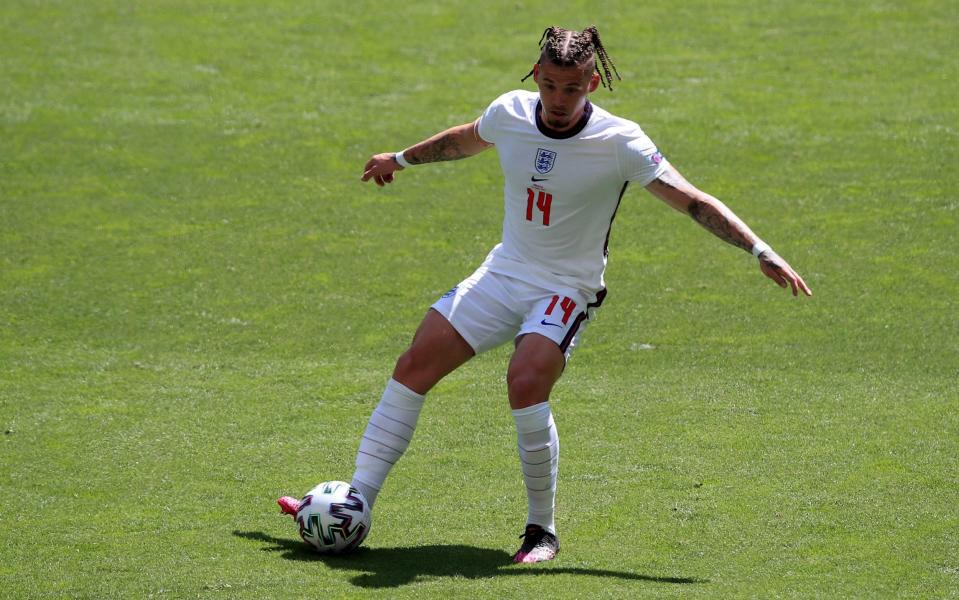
x,y
394,567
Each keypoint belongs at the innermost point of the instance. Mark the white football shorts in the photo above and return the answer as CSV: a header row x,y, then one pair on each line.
x,y
489,309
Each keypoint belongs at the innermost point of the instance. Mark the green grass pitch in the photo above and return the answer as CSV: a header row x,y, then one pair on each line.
x,y
200,302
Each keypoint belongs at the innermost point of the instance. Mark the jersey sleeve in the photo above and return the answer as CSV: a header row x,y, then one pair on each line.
x,y
489,122
639,158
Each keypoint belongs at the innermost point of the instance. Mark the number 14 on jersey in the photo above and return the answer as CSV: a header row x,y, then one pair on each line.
x,y
540,200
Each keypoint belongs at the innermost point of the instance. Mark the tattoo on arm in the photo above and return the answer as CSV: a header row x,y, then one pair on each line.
x,y
444,147
709,212
725,227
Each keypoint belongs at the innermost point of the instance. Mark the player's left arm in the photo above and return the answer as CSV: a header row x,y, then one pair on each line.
x,y
717,218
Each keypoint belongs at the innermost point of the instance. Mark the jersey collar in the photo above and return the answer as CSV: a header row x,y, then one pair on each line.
x,y
562,135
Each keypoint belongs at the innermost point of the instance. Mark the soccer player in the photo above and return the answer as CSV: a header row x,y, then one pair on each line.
x,y
566,164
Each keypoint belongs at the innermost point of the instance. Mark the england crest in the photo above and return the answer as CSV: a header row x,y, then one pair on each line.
x,y
545,160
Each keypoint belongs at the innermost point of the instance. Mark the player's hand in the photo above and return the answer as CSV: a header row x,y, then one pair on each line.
x,y
380,168
774,267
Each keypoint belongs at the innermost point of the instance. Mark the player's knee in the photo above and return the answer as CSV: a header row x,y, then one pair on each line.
x,y
527,386
417,370
408,366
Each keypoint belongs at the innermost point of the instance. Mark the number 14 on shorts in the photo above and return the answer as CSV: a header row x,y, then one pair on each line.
x,y
567,305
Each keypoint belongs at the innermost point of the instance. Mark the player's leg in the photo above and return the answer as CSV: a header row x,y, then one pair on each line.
x,y
437,349
474,316
549,333
535,367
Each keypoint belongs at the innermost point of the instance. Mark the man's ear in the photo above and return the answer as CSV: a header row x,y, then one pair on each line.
x,y
536,72
593,82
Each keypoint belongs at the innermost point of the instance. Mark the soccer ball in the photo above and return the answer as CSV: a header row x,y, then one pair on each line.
x,y
334,517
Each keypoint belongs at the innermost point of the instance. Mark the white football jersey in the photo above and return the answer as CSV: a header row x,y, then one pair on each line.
x,y
562,189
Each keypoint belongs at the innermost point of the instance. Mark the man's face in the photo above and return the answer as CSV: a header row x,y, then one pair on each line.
x,y
563,91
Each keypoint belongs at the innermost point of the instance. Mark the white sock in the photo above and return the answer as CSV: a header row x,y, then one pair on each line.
x,y
387,435
539,456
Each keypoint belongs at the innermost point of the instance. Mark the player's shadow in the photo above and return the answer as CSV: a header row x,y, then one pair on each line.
x,y
393,567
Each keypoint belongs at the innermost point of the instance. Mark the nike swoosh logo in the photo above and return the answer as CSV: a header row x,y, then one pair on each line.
x,y
538,179
545,322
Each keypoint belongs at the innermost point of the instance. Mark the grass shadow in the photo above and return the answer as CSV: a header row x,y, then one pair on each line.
x,y
394,567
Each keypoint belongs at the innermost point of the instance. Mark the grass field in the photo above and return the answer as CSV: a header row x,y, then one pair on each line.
x,y
200,302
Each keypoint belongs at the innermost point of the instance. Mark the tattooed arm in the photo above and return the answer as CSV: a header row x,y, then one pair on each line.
x,y
717,218
453,144
673,189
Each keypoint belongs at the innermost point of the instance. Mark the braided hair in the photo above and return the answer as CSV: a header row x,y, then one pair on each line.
x,y
567,48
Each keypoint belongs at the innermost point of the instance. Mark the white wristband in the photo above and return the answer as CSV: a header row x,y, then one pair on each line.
x,y
759,247
401,160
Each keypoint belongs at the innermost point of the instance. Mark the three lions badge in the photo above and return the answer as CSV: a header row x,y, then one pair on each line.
x,y
544,160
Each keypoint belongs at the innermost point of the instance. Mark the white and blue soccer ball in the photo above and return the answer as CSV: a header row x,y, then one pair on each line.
x,y
334,517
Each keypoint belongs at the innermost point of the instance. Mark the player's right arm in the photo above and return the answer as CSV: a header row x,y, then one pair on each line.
x,y
453,144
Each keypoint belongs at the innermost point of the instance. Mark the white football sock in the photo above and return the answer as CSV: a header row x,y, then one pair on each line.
x,y
539,456
387,435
